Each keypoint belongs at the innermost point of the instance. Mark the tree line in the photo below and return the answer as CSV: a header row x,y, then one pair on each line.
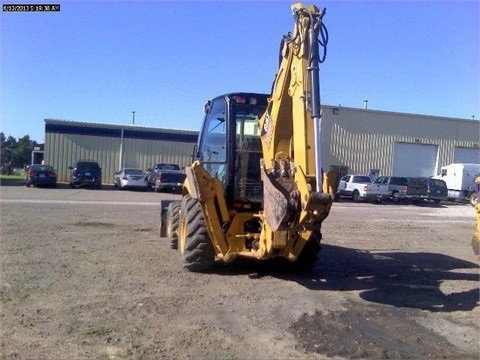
x,y
16,153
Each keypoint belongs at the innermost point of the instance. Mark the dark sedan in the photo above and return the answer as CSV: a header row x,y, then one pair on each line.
x,y
41,175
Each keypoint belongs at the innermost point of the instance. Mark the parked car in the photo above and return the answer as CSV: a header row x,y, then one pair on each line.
x,y
86,173
131,178
165,177
423,188
361,187
397,187
41,175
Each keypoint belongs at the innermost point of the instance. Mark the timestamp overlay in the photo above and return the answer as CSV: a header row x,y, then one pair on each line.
x,y
31,7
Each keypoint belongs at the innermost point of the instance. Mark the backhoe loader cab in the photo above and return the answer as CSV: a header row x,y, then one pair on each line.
x,y
256,188
229,147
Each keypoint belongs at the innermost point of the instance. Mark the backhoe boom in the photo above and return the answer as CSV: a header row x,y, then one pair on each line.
x,y
257,188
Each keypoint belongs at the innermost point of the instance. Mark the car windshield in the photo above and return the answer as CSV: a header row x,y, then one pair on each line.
x,y
133,171
88,166
168,167
418,182
41,168
399,181
362,179
439,183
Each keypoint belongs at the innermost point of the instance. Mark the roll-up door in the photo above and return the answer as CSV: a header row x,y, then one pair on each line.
x,y
414,159
466,155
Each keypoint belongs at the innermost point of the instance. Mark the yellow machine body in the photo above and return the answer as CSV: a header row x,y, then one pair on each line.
x,y
258,189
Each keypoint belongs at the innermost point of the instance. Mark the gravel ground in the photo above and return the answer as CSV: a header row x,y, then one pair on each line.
x,y
84,275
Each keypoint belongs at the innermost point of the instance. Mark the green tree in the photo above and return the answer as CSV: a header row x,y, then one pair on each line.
x,y
22,153
17,153
7,145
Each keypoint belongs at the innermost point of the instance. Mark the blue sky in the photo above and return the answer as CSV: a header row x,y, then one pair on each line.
x,y
97,61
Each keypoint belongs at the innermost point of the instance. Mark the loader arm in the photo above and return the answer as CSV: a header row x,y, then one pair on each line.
x,y
297,193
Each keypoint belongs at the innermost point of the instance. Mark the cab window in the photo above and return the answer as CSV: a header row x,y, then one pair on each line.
x,y
215,139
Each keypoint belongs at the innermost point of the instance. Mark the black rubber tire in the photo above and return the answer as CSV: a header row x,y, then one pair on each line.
x,y
173,223
473,199
356,196
197,250
396,197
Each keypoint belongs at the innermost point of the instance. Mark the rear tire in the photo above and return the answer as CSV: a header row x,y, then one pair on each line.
x,y
356,196
473,199
173,223
196,247
396,197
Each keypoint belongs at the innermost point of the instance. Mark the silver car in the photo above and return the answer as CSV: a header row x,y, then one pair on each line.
x,y
131,178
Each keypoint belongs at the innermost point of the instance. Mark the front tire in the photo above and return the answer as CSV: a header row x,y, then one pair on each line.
x,y
196,247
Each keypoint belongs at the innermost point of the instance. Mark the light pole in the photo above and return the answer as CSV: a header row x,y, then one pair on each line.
x,y
133,117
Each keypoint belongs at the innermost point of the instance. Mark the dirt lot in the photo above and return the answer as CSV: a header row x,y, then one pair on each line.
x,y
84,275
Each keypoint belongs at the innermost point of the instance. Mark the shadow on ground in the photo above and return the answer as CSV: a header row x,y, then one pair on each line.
x,y
399,279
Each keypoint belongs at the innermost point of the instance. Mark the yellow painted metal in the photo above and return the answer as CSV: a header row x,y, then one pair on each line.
x,y
208,191
287,141
476,234
288,136
289,123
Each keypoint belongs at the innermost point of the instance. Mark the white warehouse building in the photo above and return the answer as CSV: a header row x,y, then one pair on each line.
x,y
353,140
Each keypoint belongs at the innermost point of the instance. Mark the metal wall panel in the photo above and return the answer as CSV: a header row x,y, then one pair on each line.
x,y
145,153
114,146
62,150
355,138
364,139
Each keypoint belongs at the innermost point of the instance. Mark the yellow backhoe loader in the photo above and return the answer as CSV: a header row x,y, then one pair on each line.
x,y
256,188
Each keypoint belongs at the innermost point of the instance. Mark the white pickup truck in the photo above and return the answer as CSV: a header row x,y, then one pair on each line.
x,y
361,187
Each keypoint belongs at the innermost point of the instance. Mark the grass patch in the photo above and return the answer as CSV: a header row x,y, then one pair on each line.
x,y
97,331
4,298
15,177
